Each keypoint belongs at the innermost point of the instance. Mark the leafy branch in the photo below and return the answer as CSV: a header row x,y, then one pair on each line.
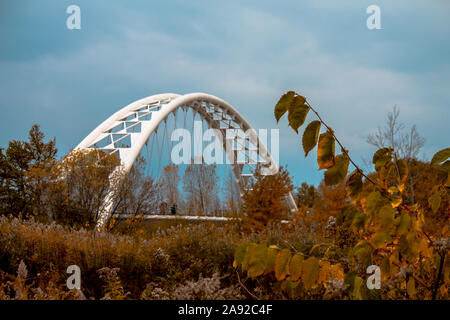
x,y
389,231
344,150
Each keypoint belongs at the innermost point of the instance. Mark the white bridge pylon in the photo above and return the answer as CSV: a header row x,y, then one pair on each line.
x,y
127,131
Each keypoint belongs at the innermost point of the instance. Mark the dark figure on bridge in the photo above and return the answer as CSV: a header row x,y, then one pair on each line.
x,y
173,209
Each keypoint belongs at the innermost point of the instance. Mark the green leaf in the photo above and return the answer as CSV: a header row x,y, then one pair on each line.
x,y
282,264
408,245
360,220
363,252
337,173
297,112
310,272
311,136
325,151
379,238
357,288
349,279
257,261
404,224
354,185
239,255
403,245
386,217
435,201
389,175
441,156
345,216
283,104
246,258
292,289
381,157
372,202
272,252
295,267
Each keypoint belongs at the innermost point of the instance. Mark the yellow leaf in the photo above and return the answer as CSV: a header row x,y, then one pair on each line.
x,y
363,252
282,264
441,156
310,272
297,112
310,136
272,252
257,260
295,267
396,201
379,239
425,249
385,268
336,271
411,287
373,202
386,217
354,185
381,157
404,224
435,201
337,173
246,256
283,104
325,151
324,273
393,190
357,286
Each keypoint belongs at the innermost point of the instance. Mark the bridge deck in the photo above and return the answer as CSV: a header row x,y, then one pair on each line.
x,y
180,217
176,217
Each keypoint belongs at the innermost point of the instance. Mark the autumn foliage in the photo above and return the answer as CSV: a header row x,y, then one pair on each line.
x,y
383,226
395,218
264,201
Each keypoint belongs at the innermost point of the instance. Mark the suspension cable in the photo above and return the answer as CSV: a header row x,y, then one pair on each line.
x,y
162,147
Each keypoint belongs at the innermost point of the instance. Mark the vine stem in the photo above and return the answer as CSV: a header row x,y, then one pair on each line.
x,y
245,288
439,275
340,144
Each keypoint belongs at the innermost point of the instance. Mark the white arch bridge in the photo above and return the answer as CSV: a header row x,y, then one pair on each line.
x,y
127,131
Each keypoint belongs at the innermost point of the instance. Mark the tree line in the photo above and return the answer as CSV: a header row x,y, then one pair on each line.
x,y
72,190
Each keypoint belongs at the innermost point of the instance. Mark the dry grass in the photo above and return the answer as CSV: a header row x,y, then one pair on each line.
x,y
168,259
162,261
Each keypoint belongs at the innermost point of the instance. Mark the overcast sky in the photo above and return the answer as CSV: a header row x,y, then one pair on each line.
x,y
245,52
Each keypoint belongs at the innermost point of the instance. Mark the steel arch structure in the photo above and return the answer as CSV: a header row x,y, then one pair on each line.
x,y
127,131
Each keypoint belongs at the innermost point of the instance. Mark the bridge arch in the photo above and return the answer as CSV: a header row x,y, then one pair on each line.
x,y
127,131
